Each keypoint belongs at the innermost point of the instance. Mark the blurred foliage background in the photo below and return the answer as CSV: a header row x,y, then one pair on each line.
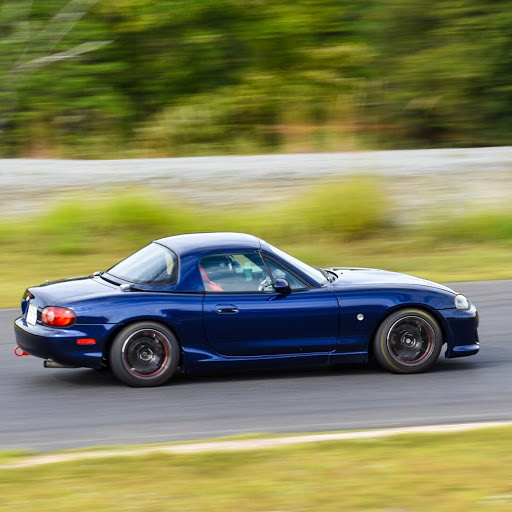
x,y
137,78
126,78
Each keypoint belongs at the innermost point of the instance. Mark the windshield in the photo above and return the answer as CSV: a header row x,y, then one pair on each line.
x,y
154,264
311,272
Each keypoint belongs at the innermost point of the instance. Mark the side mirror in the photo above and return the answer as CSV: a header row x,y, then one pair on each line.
x,y
281,286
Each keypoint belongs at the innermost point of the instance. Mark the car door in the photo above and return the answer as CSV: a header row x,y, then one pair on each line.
x,y
244,316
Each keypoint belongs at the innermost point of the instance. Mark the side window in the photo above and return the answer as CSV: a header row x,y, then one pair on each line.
x,y
279,272
244,272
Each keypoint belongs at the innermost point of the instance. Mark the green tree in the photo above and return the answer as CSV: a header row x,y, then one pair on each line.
x,y
446,72
39,87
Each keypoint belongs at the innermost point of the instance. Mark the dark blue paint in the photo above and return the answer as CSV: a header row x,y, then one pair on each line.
x,y
60,344
301,322
318,325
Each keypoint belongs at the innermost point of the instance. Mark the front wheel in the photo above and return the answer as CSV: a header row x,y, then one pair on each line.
x,y
144,354
408,341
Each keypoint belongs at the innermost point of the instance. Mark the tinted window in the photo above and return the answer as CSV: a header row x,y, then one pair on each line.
x,y
279,272
154,264
234,273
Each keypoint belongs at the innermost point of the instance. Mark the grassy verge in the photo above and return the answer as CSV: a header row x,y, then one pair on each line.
x,y
10,456
414,472
341,224
446,262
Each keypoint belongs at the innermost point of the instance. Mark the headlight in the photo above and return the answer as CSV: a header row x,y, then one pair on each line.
x,y
462,302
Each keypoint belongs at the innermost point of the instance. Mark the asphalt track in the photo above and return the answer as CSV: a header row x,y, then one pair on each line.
x,y
44,409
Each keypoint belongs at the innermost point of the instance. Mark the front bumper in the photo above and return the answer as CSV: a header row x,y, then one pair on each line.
x,y
461,329
61,345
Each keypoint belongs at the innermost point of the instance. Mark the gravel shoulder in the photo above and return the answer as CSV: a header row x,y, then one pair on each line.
x,y
419,181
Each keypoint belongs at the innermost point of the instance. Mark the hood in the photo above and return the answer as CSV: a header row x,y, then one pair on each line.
x,y
371,276
62,293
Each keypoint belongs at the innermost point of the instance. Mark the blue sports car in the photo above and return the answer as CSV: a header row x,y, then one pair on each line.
x,y
230,300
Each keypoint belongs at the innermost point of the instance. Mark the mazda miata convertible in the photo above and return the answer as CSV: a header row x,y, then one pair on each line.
x,y
230,300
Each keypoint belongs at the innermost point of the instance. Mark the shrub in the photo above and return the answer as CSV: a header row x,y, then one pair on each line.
x,y
354,208
79,224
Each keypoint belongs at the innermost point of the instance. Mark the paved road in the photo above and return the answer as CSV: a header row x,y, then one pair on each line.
x,y
47,409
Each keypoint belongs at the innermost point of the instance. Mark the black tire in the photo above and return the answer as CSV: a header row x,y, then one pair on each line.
x,y
408,341
144,354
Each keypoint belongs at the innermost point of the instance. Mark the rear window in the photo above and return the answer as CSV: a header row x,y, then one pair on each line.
x,y
152,265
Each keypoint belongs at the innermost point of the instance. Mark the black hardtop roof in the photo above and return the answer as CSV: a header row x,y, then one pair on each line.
x,y
210,242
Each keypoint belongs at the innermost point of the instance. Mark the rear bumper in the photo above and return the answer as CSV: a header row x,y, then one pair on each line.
x,y
61,345
462,332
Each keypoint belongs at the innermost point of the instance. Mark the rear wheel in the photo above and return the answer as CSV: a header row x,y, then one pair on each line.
x,y
144,354
408,341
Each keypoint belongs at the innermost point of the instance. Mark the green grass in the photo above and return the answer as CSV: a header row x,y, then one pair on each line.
x,y
347,223
424,257
11,456
445,262
413,472
476,227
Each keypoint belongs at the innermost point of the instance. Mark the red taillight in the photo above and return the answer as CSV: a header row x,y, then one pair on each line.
x,y
55,316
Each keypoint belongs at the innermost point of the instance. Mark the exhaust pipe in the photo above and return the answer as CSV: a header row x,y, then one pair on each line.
x,y
48,363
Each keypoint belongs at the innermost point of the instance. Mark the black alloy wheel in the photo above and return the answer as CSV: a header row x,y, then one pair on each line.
x,y
144,354
408,341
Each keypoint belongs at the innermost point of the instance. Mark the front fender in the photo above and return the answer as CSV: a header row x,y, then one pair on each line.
x,y
364,309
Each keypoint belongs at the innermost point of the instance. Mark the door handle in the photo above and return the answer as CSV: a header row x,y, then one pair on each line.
x,y
226,308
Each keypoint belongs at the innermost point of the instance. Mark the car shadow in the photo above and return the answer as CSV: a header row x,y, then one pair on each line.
x,y
95,378
88,377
